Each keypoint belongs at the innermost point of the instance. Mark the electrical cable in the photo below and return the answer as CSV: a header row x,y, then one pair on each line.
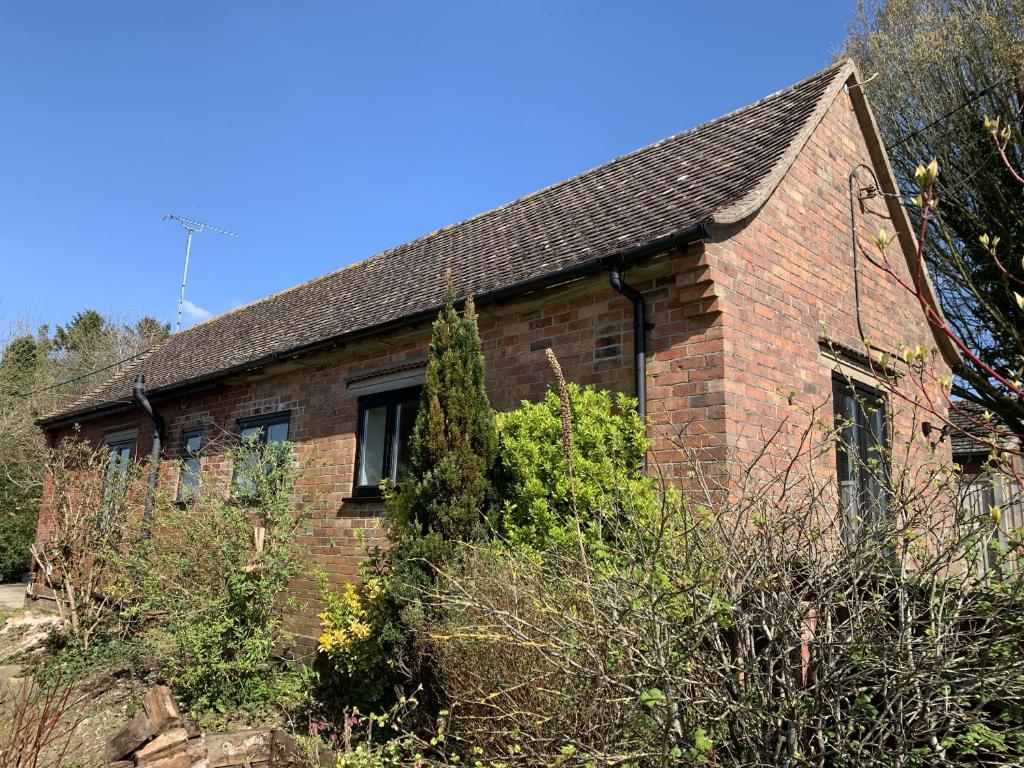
x,y
12,393
951,112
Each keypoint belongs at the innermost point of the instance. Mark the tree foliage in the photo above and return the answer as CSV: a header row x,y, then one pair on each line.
x,y
739,630
39,372
442,500
454,441
21,447
89,520
214,575
202,598
943,66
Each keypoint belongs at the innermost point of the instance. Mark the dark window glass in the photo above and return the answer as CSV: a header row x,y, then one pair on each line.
x,y
385,430
265,430
188,480
862,459
406,415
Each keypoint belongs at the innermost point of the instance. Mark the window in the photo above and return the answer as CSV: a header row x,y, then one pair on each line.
x,y
121,446
188,479
382,446
861,453
265,430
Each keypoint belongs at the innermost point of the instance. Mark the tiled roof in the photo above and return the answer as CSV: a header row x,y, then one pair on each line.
x,y
720,171
970,429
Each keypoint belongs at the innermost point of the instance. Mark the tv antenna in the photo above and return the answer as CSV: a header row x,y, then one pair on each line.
x,y
192,227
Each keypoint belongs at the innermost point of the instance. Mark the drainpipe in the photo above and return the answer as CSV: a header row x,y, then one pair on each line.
x,y
615,277
159,429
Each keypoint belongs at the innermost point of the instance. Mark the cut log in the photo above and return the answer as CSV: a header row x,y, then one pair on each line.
x,y
161,707
131,737
237,748
179,759
121,764
285,752
170,743
197,747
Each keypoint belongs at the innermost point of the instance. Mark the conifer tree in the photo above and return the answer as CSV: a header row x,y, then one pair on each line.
x,y
454,441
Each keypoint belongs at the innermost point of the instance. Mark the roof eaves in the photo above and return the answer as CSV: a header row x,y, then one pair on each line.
x,y
75,406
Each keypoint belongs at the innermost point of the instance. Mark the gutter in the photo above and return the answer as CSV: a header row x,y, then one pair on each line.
x,y
615,277
623,256
159,431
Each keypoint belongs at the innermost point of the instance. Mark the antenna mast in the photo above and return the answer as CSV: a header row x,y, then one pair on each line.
x,y
192,227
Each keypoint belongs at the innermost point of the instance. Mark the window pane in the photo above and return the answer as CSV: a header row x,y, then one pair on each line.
x,y
115,479
861,458
406,420
188,481
877,463
277,433
245,481
846,453
371,464
266,432
120,455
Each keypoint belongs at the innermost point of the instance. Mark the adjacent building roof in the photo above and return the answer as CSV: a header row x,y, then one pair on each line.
x,y
971,432
720,171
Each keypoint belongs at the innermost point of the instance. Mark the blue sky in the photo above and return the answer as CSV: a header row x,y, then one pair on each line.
x,y
326,132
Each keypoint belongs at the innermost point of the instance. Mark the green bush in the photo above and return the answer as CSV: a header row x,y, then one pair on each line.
x,y
209,587
359,637
538,499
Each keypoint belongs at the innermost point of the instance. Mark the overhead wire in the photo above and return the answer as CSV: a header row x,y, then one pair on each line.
x,y
72,380
949,113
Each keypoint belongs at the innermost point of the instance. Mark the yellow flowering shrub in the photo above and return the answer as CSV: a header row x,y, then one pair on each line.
x,y
354,637
345,624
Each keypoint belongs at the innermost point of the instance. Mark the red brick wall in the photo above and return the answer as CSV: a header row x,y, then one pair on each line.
x,y
785,279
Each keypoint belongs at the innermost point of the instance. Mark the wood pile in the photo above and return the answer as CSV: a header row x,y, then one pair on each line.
x,y
159,736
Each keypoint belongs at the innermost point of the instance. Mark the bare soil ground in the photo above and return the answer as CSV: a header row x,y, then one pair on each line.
x,y
101,705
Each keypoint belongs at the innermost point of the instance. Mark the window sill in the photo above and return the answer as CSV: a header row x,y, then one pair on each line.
x,y
363,500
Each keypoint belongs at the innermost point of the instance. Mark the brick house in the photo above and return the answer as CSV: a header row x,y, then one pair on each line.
x,y
712,273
